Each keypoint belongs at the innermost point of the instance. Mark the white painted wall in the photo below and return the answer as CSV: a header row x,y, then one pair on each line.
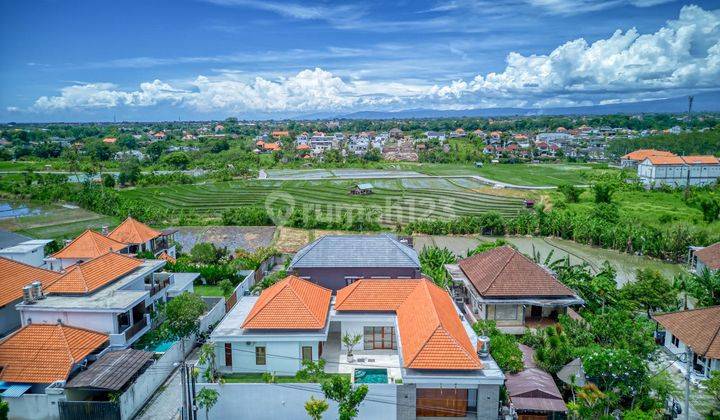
x,y
103,322
287,401
34,406
282,357
36,257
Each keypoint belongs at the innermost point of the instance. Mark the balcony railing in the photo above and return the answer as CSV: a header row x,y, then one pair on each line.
x,y
158,286
135,328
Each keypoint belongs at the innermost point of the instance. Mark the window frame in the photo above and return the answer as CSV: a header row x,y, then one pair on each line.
x,y
258,356
302,353
228,355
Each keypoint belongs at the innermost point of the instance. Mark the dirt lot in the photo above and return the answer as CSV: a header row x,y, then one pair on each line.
x,y
289,240
249,238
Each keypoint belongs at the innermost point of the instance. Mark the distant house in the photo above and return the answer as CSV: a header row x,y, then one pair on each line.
x,y
14,276
280,134
705,258
435,135
334,261
395,132
633,159
507,287
142,238
30,252
361,189
85,247
679,171
110,140
697,329
160,135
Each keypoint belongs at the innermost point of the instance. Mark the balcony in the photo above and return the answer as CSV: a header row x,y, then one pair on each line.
x,y
159,282
135,328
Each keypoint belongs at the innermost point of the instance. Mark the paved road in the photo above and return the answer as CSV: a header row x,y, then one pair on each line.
x,y
166,403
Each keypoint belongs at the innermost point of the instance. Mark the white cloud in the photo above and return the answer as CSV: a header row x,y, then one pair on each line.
x,y
683,55
574,7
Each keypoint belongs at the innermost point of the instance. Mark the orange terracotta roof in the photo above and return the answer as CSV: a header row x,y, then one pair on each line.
x,y
131,231
431,333
710,256
259,143
94,274
15,275
42,354
89,244
504,271
698,160
375,295
271,146
641,154
665,160
109,140
167,257
698,328
290,304
303,147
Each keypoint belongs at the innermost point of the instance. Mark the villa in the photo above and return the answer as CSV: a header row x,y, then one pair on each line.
x,y
113,294
505,286
696,329
14,276
85,247
707,257
411,335
142,238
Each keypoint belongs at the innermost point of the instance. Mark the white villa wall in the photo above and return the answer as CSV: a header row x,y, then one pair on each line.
x,y
288,400
282,357
713,364
103,322
36,257
34,406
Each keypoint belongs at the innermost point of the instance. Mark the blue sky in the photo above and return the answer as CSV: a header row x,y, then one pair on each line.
x,y
153,60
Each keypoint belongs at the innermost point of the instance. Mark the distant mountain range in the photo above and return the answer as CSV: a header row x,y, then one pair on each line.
x,y
709,101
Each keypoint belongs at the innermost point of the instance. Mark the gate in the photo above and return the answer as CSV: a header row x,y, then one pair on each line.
x,y
84,410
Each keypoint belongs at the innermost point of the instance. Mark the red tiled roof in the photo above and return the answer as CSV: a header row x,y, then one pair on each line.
x,y
698,328
375,295
167,257
94,274
710,256
431,333
640,154
701,160
89,244
504,271
40,353
130,231
290,304
665,160
15,275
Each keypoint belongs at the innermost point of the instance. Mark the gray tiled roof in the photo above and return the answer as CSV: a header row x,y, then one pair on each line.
x,y
355,251
8,239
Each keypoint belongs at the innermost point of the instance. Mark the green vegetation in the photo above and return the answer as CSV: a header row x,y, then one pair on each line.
x,y
683,144
503,347
315,408
518,174
208,290
207,398
341,390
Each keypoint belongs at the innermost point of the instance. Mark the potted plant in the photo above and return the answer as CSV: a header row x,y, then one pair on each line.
x,y
350,341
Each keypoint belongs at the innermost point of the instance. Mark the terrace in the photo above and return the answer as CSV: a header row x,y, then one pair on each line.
x,y
335,355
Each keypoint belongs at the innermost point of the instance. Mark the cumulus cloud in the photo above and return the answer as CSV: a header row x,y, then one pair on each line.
x,y
683,55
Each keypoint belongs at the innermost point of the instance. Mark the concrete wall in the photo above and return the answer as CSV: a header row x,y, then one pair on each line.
x,y
9,318
334,277
36,257
146,384
287,401
34,407
215,314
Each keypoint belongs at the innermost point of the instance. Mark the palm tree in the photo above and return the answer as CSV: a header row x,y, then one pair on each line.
x,y
316,408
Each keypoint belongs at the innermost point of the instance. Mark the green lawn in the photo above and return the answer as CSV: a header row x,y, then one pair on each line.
x,y
251,378
207,290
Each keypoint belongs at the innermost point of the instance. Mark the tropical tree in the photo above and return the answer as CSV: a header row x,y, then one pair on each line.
x,y
4,409
571,192
705,287
207,398
432,263
315,408
207,358
340,390
350,341
712,387
650,291
183,315
555,350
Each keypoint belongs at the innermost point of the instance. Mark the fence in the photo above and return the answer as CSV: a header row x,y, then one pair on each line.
x,y
288,400
84,410
249,281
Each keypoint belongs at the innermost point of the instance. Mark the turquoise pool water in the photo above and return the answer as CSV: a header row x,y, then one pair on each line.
x,y
163,347
371,376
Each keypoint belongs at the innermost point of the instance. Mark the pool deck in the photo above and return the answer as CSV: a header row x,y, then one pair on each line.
x,y
336,359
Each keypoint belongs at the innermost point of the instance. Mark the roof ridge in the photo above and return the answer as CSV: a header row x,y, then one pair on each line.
x,y
712,340
687,310
425,343
501,269
352,287
65,340
309,247
280,287
404,249
294,292
71,242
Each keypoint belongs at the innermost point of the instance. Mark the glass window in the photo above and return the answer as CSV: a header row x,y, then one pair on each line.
x,y
379,338
260,356
228,354
507,312
307,353
675,341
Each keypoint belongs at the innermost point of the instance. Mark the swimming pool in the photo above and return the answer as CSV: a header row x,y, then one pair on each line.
x,y
371,376
162,347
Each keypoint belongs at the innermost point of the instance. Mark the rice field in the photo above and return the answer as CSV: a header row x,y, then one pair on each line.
x,y
395,200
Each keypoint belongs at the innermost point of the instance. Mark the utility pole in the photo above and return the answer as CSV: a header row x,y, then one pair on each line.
x,y
688,369
183,377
